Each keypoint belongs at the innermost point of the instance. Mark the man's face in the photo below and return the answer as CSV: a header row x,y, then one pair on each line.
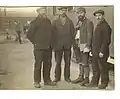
x,y
63,12
80,15
43,12
99,17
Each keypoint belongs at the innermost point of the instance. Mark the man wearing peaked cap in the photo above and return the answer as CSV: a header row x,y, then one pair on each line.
x,y
100,51
84,32
63,29
98,11
40,35
81,9
43,7
63,7
62,11
75,47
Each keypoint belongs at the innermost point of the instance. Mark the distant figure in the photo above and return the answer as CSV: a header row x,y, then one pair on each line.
x,y
18,29
26,27
7,35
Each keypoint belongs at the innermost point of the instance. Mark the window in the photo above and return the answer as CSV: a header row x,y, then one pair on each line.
x,y
70,8
54,10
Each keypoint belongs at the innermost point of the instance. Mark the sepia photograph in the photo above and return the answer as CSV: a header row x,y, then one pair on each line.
x,y
57,47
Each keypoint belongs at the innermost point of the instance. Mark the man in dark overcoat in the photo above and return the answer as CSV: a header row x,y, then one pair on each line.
x,y
40,35
100,51
63,38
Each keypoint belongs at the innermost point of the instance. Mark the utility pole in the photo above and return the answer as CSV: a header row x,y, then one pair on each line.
x,y
54,10
5,12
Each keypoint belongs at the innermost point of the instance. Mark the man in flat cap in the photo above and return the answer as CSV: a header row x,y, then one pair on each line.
x,y
100,51
63,37
40,35
18,29
84,32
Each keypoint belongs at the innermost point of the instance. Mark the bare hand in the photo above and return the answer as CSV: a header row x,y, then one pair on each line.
x,y
77,26
91,54
101,55
86,50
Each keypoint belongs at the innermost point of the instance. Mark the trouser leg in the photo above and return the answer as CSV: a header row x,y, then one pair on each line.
x,y
85,64
16,39
104,71
19,37
58,58
46,65
67,58
85,67
77,53
81,69
80,78
49,63
96,70
38,64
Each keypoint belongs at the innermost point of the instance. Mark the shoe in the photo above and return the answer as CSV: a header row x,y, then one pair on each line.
x,y
50,83
68,80
84,82
91,85
79,79
102,86
56,80
37,85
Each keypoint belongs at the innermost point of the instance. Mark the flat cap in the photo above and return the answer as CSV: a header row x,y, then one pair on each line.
x,y
43,7
63,7
81,9
99,11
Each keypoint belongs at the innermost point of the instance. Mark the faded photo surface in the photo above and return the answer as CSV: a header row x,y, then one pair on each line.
x,y
57,48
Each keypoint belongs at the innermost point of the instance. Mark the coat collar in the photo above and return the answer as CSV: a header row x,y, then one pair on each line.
x,y
102,21
39,17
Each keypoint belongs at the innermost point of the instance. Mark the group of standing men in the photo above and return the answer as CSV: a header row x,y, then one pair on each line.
x,y
60,36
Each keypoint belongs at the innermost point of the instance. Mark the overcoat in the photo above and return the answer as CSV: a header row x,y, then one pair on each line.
x,y
40,33
63,34
101,39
